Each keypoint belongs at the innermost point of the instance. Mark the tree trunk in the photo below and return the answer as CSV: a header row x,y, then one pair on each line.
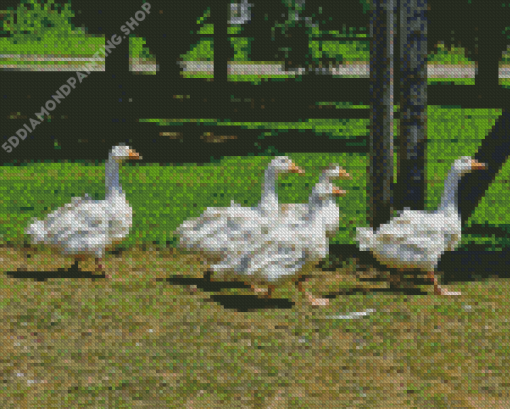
x,y
382,31
495,147
411,186
494,152
220,16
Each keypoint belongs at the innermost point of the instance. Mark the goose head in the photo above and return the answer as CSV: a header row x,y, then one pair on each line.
x,y
324,191
463,165
335,171
337,192
282,164
122,152
466,164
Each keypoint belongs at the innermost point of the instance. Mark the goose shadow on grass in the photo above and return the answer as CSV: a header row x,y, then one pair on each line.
x,y
73,271
467,264
475,262
67,272
241,303
247,303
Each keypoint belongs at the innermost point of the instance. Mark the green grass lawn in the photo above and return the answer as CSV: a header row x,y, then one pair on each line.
x,y
78,44
138,340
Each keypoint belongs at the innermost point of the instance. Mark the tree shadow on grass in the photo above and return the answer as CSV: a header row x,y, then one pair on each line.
x,y
474,263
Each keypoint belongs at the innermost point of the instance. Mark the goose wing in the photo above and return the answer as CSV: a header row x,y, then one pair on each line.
x,y
66,220
88,218
275,261
412,239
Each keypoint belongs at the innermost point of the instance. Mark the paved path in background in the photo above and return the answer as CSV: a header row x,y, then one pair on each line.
x,y
360,70
353,69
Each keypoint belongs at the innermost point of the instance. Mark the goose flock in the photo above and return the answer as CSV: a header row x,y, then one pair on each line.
x,y
288,246
269,243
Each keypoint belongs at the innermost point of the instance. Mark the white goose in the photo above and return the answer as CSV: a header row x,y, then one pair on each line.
x,y
330,208
286,248
417,239
234,238
217,226
85,227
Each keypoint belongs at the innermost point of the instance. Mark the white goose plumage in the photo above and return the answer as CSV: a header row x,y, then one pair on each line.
x,y
85,227
218,227
417,239
287,247
330,212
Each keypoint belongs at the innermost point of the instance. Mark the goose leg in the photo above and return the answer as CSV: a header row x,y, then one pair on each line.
x,y
395,279
265,293
311,299
437,288
100,267
256,289
26,251
77,259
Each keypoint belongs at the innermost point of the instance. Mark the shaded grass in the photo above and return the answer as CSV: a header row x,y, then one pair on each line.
x,y
138,341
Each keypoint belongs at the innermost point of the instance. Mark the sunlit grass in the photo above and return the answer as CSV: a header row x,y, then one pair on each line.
x,y
137,339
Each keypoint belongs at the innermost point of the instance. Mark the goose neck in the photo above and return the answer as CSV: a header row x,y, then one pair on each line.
x,y
313,208
449,198
324,177
269,197
112,183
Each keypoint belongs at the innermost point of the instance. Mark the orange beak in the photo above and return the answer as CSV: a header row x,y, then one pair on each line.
x,y
134,154
344,175
338,192
296,169
477,165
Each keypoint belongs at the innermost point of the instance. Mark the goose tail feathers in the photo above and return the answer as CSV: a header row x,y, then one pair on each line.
x,y
365,238
37,231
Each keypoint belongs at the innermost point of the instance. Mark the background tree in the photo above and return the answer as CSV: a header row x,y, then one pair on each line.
x,y
293,35
411,185
382,30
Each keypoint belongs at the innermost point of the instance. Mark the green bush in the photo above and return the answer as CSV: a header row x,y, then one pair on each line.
x,y
445,55
35,20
